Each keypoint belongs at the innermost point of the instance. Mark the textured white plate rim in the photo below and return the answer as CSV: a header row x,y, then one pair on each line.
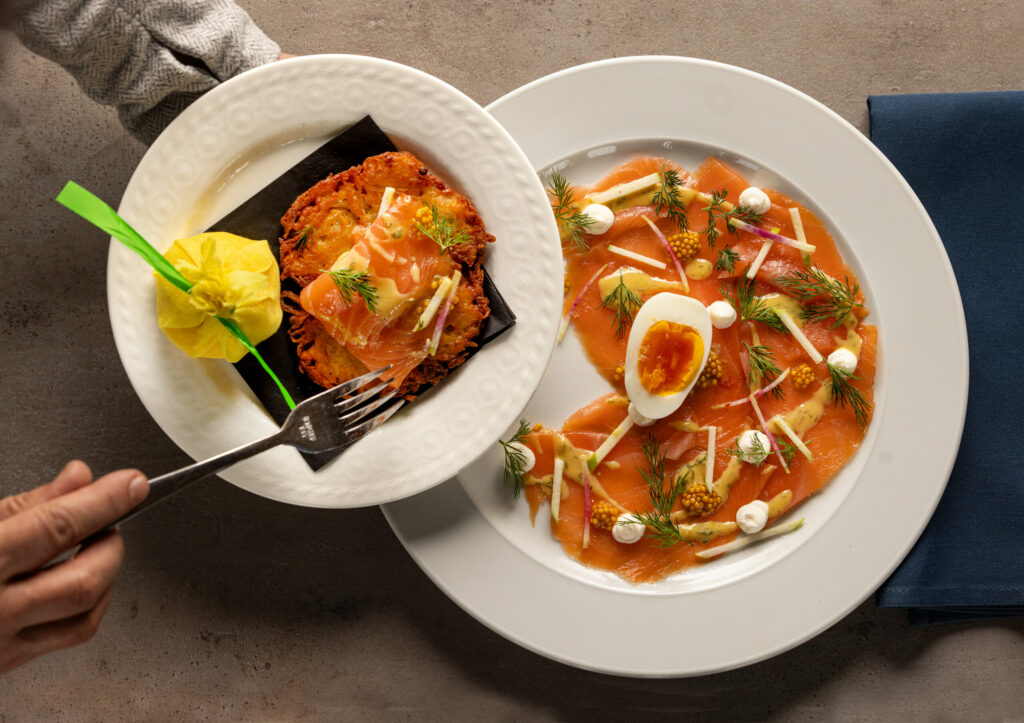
x,y
443,552
459,128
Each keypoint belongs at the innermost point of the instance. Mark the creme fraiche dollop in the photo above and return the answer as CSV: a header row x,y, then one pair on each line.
x,y
530,459
755,199
753,516
601,218
628,529
844,359
722,314
753,446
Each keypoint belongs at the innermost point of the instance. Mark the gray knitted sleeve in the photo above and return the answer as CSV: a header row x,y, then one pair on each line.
x,y
148,58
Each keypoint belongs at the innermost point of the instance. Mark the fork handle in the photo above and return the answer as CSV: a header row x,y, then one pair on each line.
x,y
162,487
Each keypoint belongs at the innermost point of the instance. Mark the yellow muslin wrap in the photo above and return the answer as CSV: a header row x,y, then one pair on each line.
x,y
233,278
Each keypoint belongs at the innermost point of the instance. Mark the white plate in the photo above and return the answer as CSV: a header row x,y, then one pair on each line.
x,y
242,135
481,549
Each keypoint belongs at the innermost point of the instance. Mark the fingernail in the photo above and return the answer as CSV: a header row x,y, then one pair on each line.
x,y
138,488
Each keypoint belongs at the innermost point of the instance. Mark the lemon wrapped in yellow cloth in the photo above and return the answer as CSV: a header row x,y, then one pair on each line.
x,y
232,278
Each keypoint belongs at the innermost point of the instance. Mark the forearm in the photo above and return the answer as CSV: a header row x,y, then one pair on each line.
x,y
148,58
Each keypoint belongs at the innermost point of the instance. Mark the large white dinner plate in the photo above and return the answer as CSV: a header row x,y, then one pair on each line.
x,y
480,547
239,137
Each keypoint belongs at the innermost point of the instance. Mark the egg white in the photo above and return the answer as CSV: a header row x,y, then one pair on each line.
x,y
663,307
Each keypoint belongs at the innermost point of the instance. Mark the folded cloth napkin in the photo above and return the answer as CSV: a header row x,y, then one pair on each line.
x,y
963,154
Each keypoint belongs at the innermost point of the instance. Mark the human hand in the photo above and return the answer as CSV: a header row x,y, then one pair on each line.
x,y
49,608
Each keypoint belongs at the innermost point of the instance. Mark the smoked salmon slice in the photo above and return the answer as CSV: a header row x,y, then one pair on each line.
x,y
682,437
402,271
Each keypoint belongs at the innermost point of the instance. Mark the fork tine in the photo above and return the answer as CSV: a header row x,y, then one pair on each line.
x,y
371,424
344,404
355,416
353,384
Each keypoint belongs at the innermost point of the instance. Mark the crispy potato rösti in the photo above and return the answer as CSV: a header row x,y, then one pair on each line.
x,y
319,227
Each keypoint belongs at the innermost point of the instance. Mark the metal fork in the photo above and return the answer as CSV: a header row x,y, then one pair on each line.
x,y
319,424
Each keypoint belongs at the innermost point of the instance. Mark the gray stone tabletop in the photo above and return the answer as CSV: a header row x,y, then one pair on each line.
x,y
230,606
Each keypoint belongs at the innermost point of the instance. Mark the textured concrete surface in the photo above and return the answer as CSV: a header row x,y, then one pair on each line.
x,y
231,606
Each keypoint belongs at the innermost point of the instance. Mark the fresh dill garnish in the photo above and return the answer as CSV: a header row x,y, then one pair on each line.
x,y
716,210
842,392
667,199
822,296
663,496
304,238
515,460
727,258
349,280
443,229
749,306
742,213
787,449
624,302
574,221
664,531
760,452
756,456
654,475
762,369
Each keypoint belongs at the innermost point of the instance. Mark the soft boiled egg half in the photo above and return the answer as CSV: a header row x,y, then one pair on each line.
x,y
667,349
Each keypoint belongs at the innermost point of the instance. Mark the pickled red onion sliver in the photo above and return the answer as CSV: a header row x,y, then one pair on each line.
x,y
758,394
439,327
771,437
568,314
671,254
809,248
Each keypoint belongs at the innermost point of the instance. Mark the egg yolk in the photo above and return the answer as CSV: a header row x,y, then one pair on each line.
x,y
669,357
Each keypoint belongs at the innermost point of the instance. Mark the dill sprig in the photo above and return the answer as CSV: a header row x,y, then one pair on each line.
x,y
443,229
515,460
716,210
760,452
667,199
822,296
662,529
663,496
625,303
727,258
749,306
573,220
654,475
349,281
842,392
304,237
735,451
787,449
743,213
763,369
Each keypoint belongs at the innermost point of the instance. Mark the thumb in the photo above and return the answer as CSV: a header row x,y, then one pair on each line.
x,y
34,537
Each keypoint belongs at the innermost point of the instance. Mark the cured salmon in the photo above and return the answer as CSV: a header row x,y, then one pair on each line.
x,y
339,226
380,333
831,432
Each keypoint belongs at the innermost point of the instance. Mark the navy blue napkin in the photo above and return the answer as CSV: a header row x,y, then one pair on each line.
x,y
963,154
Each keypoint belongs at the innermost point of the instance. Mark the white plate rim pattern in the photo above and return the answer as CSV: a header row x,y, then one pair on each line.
x,y
240,136
458,551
